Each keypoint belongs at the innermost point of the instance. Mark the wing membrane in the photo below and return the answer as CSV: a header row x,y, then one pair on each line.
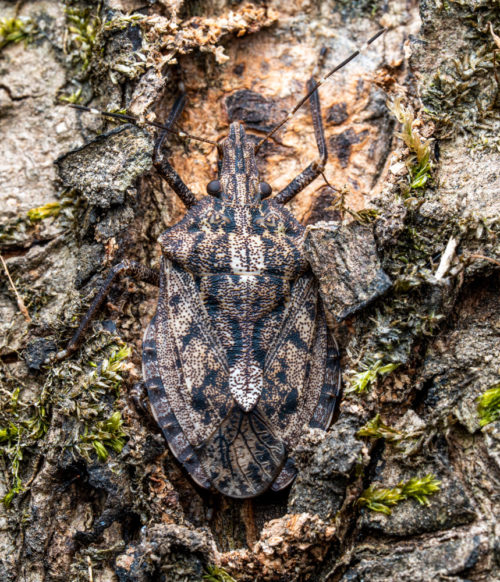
x,y
243,456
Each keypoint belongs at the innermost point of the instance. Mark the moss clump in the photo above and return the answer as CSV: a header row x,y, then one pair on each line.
x,y
418,164
106,374
462,94
381,499
395,328
75,97
104,435
22,425
405,443
489,406
361,381
45,211
376,429
15,30
83,28
81,397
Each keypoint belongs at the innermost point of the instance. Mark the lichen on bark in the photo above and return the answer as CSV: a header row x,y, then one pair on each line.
x,y
91,491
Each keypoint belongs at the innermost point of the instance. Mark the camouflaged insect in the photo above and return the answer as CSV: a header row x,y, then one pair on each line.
x,y
238,358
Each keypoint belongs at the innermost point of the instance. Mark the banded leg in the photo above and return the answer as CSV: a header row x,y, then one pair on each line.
x,y
315,168
137,271
163,166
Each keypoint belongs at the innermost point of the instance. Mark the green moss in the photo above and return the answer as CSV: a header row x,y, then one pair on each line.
x,y
22,424
391,333
489,406
8,433
14,440
106,374
15,457
217,574
381,499
45,211
81,397
376,429
104,435
83,28
419,164
75,97
361,381
462,95
404,442
365,8
123,21
15,30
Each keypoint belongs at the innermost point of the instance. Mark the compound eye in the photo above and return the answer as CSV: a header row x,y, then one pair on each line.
x,y
265,190
214,187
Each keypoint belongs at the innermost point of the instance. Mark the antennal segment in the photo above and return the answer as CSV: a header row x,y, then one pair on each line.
x,y
315,88
132,119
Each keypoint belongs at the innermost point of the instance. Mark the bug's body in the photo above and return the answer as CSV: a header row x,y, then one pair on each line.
x,y
237,360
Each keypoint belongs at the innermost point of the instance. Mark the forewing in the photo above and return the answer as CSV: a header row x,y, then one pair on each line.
x,y
192,363
295,366
325,407
162,411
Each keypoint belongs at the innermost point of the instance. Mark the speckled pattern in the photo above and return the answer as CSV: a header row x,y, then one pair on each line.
x,y
238,358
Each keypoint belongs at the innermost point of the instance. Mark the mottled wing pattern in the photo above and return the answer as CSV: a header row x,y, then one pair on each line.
x,y
244,455
239,452
162,411
294,369
192,363
325,406
330,390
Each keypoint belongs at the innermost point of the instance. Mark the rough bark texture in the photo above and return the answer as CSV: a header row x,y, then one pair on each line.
x,y
408,266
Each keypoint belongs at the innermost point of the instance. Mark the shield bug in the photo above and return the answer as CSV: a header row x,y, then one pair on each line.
x,y
238,358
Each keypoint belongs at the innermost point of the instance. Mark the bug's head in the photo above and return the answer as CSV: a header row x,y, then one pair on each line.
x,y
239,178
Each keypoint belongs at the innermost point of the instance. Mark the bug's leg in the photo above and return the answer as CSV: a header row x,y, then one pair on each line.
x,y
137,270
163,166
139,397
315,168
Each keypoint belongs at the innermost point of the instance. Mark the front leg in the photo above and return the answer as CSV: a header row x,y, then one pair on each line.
x,y
137,270
172,178
315,168
163,166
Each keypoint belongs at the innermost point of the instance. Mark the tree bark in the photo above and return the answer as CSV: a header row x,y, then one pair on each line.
x,y
404,246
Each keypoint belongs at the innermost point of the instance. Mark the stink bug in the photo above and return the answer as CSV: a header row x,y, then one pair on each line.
x,y
238,358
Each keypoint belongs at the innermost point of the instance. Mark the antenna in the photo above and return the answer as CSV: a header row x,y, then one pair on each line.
x,y
132,119
318,84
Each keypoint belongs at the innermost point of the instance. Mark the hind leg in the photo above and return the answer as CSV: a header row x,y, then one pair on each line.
x,y
139,396
138,271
